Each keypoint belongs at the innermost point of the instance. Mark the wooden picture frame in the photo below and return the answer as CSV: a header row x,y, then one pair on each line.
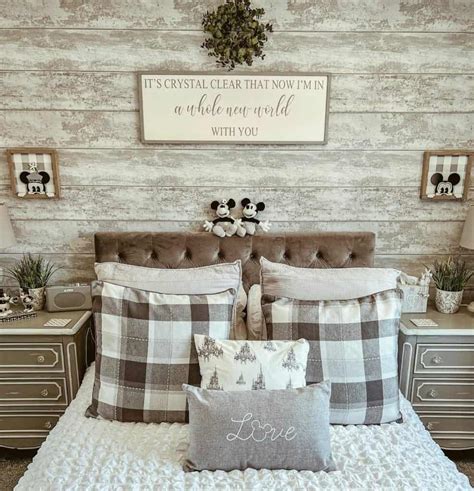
x,y
446,175
167,101
34,172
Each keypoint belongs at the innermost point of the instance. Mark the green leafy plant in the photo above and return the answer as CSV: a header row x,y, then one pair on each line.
x,y
451,275
236,34
32,272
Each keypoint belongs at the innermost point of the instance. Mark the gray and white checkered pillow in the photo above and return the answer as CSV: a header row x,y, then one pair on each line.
x,y
145,350
353,343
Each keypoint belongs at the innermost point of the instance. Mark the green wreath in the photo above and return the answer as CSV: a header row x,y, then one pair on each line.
x,y
236,35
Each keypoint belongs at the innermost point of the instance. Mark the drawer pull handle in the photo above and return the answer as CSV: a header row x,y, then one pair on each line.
x,y
430,426
48,425
44,392
433,393
437,360
40,359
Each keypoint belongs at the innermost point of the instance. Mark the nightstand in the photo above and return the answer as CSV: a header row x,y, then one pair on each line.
x,y
437,375
41,369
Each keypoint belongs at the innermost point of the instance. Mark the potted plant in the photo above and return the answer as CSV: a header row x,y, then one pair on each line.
x,y
33,274
450,277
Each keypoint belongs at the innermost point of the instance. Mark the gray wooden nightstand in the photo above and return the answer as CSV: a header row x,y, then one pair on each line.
x,y
41,369
437,375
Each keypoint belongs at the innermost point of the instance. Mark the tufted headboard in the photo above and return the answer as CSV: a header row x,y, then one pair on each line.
x,y
186,250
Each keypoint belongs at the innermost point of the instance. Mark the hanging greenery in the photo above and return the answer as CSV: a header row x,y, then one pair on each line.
x,y
236,35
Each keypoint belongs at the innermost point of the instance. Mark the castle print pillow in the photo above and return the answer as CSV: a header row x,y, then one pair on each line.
x,y
251,365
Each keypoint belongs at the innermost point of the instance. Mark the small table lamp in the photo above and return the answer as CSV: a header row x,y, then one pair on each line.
x,y
7,236
467,239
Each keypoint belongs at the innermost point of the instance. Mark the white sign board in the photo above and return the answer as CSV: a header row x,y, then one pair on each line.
x,y
207,108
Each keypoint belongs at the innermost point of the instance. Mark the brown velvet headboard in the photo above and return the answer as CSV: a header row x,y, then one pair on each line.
x,y
186,250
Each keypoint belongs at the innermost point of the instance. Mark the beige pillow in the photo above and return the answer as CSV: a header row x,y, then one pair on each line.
x,y
215,278
255,321
281,280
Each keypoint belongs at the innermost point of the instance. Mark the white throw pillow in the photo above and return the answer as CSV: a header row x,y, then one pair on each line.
x,y
281,280
203,280
251,365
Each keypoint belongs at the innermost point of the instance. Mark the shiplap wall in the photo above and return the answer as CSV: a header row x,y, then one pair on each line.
x,y
403,82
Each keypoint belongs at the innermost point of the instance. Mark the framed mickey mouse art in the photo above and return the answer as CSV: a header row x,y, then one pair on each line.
x,y
34,173
446,175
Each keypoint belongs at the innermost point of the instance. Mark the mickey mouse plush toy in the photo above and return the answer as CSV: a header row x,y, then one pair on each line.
x,y
224,225
249,222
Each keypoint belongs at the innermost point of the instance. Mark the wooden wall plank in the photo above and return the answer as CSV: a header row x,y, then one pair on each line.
x,y
346,52
415,264
323,15
250,167
349,92
396,237
100,129
192,203
74,267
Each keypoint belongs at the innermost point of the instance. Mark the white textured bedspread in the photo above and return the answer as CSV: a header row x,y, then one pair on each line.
x,y
82,453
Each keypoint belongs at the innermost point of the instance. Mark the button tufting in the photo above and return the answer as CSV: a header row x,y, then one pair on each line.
x,y
220,255
187,254
351,255
286,255
253,255
318,255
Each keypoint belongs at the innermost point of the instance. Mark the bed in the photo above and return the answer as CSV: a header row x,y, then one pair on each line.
x,y
83,453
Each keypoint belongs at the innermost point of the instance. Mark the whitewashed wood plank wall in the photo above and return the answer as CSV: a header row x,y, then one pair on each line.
x,y
403,82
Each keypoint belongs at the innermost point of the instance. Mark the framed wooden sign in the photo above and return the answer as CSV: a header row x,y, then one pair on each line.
x,y
446,175
242,108
34,173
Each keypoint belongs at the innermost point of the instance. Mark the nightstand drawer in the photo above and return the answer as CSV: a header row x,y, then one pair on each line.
x,y
451,431
439,393
444,358
31,357
33,392
449,423
17,424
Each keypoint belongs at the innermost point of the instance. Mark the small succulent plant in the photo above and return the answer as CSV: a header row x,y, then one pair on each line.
x,y
451,275
236,35
32,272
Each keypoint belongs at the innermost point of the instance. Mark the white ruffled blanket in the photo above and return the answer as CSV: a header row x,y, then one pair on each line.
x,y
82,453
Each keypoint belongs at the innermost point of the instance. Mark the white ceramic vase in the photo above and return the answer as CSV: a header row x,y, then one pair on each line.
x,y
37,294
448,302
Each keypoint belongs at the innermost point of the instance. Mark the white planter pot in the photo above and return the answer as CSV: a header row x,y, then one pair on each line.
x,y
448,302
37,294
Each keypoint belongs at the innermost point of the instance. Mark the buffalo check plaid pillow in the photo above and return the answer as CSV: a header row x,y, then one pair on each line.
x,y
353,343
145,350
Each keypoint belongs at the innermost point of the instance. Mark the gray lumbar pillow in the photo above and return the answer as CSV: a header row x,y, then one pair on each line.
x,y
260,429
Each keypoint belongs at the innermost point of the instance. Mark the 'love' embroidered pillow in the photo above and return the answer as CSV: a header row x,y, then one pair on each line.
x,y
259,429
251,365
